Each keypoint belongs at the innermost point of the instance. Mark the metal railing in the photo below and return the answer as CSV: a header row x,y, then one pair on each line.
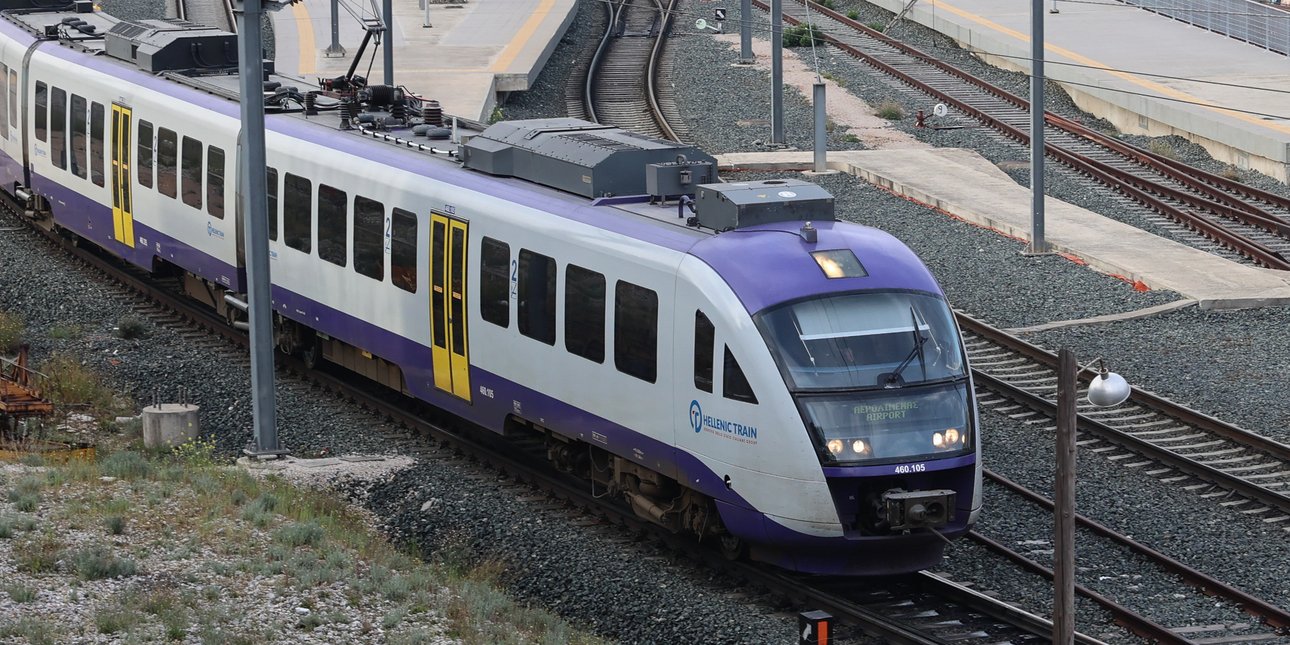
x,y
1256,23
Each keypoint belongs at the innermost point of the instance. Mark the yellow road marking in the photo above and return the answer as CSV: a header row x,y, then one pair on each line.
x,y
522,36
305,29
1084,60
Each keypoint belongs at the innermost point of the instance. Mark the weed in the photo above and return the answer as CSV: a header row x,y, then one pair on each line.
x,y
37,631
11,330
72,384
39,555
97,563
876,26
197,453
34,460
115,524
853,14
114,620
265,503
310,622
66,331
126,465
131,328
299,534
827,4
1163,148
20,593
850,138
890,110
1231,172
801,36
393,617
25,502
840,82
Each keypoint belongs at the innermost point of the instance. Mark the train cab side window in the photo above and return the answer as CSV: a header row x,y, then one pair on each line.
x,y
704,345
190,172
636,331
271,178
4,103
13,98
584,313
734,385
495,282
297,212
403,251
215,182
167,161
58,127
331,225
98,117
369,237
41,115
145,154
80,136
537,296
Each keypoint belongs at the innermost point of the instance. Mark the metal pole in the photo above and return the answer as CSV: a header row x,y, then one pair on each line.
x,y
334,49
1064,500
745,33
1037,242
251,176
387,8
821,164
777,72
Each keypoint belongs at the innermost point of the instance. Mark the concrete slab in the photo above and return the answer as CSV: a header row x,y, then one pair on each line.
x,y
968,186
1144,72
469,52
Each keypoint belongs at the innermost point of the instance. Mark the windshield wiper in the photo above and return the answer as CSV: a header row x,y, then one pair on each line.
x,y
893,379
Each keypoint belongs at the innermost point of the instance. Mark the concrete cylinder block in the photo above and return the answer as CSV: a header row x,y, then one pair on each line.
x,y
170,424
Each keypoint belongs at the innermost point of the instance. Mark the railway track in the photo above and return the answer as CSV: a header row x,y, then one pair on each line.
x,y
620,86
1250,222
213,13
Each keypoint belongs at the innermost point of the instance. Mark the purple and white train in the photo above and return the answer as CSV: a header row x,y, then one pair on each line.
x,y
725,357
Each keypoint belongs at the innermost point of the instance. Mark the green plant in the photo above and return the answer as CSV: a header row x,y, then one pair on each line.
x,y
125,464
38,555
299,534
827,4
26,503
1163,148
1231,172
131,328
801,36
113,620
72,384
11,330
34,460
20,593
876,26
97,563
890,110
197,452
850,138
115,524
37,631
853,14
66,331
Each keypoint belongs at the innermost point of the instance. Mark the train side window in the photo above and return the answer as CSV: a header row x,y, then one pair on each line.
x,y
4,103
271,177
297,212
584,313
537,296
215,182
403,251
41,116
495,282
331,225
167,160
145,153
190,172
369,237
58,127
636,331
98,116
704,345
80,135
13,98
734,385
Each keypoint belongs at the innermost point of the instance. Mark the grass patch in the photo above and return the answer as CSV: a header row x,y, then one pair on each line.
x,y
890,110
114,620
37,631
299,534
19,592
73,385
38,555
131,328
877,26
66,331
1163,148
10,525
801,36
11,331
97,563
853,14
126,465
115,524
1231,172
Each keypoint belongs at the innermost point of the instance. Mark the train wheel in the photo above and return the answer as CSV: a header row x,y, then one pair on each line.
x,y
733,548
311,352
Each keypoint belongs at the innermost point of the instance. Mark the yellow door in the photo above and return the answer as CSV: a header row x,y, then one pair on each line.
x,y
448,305
122,213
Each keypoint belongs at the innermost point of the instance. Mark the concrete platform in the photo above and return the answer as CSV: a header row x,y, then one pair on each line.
x,y
471,51
1117,50
969,187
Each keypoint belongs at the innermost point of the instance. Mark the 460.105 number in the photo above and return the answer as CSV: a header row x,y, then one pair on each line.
x,y
905,469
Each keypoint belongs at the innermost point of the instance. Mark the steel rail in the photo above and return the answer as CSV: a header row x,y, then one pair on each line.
x,y
589,90
1132,185
651,74
1271,614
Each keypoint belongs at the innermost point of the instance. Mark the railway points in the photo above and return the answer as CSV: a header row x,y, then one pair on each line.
x,y
1114,50
969,187
471,52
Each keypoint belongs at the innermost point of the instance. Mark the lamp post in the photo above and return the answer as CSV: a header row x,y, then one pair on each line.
x,y
1107,389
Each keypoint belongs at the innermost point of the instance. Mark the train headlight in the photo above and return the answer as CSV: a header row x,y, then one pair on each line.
x,y
859,447
938,440
835,446
952,436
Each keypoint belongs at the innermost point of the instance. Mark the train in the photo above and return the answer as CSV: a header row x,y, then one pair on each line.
x,y
726,358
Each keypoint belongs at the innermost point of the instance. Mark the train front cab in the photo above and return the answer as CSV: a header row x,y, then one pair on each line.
x,y
882,384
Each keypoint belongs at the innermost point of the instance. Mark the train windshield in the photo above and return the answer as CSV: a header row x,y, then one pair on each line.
x,y
864,340
926,422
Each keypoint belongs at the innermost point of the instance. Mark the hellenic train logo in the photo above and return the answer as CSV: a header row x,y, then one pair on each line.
x,y
696,416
